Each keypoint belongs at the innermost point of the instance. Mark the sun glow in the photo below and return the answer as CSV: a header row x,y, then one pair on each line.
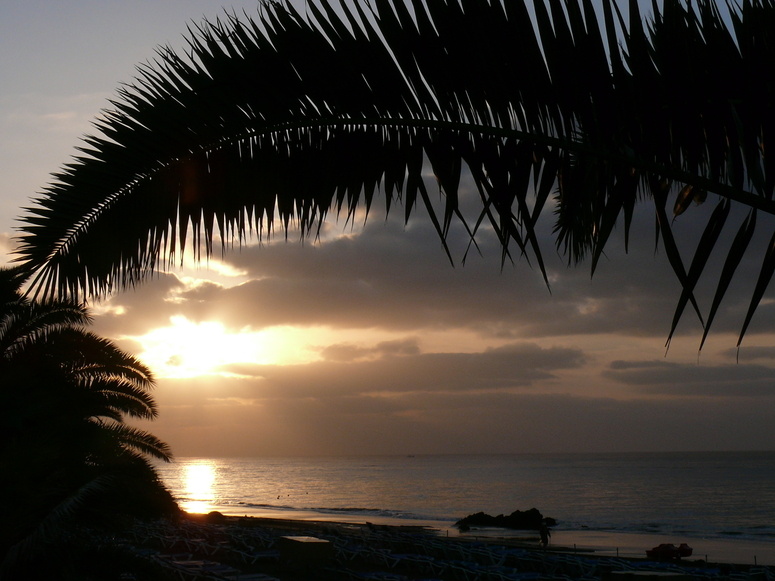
x,y
185,349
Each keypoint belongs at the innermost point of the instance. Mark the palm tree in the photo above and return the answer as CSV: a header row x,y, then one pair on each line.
x,y
65,450
303,112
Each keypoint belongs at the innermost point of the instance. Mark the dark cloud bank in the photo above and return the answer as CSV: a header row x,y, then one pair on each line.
x,y
541,379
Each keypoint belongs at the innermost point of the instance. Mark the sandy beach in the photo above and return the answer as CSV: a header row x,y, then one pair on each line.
x,y
742,551
217,547
605,543
634,545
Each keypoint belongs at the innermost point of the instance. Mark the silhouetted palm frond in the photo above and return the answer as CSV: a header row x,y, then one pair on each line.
x,y
134,441
299,113
64,395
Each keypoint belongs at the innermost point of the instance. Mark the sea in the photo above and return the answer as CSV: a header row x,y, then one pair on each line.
x,y
711,496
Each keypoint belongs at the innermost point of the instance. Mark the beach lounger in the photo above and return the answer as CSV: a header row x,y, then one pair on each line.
x,y
194,570
253,557
379,576
421,563
465,570
347,550
249,577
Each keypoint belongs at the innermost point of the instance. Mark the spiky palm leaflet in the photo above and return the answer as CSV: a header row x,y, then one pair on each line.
x,y
302,112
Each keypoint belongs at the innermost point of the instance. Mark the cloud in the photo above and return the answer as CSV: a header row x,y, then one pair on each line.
x,y
6,247
351,352
70,114
460,422
396,278
407,353
139,310
423,355
765,353
674,379
392,371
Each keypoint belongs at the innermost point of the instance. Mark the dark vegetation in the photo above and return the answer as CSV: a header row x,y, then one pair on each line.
x,y
67,455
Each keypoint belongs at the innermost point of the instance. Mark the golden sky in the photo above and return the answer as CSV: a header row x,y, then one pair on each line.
x,y
368,340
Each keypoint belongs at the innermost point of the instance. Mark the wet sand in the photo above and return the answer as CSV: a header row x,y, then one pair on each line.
x,y
634,545
260,548
604,543
600,543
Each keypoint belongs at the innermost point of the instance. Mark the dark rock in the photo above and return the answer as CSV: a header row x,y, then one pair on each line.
x,y
519,520
215,517
669,552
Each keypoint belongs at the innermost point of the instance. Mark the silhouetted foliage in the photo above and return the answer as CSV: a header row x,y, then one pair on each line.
x,y
66,454
306,111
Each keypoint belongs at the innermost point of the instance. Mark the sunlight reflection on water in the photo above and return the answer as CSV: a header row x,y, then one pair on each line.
x,y
199,487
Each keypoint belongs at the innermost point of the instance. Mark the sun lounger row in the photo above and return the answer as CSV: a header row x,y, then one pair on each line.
x,y
473,561
380,553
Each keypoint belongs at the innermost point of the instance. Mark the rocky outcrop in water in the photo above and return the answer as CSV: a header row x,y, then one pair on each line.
x,y
519,520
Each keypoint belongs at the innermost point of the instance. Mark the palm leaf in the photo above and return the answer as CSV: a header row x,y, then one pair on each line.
x,y
736,252
704,248
293,115
674,257
136,440
765,276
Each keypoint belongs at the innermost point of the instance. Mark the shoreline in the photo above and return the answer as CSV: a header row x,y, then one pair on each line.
x,y
634,545
216,546
628,545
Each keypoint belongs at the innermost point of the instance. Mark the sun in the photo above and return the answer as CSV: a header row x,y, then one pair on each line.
x,y
185,349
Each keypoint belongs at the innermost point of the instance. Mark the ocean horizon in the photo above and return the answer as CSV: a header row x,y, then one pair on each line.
x,y
695,497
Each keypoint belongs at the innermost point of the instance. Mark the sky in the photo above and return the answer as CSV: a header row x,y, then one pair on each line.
x,y
367,340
